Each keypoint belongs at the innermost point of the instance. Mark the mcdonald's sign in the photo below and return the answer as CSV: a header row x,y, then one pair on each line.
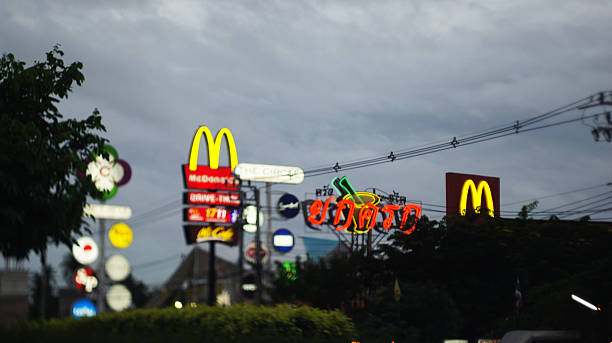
x,y
468,192
206,233
211,176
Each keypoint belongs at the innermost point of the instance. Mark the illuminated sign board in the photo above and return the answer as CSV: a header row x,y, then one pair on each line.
x,y
85,279
210,214
85,250
359,211
249,253
108,211
120,235
288,206
283,240
269,173
468,192
205,177
83,308
118,297
211,198
211,176
108,174
206,233
117,268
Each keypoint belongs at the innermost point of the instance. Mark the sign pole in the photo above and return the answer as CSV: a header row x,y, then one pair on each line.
x,y
212,277
269,226
101,274
241,245
257,251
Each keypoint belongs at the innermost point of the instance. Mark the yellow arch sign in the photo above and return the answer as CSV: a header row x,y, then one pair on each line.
x,y
214,148
476,192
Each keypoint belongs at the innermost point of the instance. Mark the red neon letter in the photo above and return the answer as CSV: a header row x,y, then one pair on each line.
x,y
389,209
315,210
370,212
407,210
342,204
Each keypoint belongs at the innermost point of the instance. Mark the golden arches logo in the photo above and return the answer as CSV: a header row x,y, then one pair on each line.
x,y
476,192
214,148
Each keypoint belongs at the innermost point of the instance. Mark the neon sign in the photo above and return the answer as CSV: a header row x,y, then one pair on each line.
x,y
359,210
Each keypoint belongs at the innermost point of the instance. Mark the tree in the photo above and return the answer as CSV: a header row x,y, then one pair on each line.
x,y
41,199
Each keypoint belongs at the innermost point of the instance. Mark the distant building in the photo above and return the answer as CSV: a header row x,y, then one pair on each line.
x,y
14,300
189,282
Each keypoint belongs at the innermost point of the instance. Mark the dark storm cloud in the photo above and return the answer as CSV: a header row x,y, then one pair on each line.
x,y
313,83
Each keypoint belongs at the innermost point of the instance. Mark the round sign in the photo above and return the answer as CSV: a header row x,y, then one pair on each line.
x,y
249,253
85,279
117,268
120,235
283,240
250,217
118,297
83,308
288,206
85,251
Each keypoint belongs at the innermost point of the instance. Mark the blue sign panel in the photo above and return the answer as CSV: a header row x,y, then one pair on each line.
x,y
83,308
288,206
283,240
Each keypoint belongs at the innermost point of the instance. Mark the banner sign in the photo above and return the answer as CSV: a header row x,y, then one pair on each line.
x,y
204,177
467,192
211,198
210,214
269,173
205,233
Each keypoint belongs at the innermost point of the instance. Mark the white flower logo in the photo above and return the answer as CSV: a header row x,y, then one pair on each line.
x,y
108,174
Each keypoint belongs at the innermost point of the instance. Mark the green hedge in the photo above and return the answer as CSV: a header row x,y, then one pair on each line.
x,y
238,323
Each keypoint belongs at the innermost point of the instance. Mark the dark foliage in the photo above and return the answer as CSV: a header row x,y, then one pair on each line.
x,y
41,199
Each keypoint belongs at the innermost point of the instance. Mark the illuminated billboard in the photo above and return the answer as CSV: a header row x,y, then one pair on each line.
x,y
211,198
206,233
468,192
210,214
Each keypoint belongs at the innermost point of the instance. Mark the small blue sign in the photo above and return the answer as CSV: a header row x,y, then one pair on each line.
x,y
283,240
288,206
83,308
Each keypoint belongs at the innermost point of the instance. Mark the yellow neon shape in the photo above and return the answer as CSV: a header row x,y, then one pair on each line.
x,y
468,186
214,148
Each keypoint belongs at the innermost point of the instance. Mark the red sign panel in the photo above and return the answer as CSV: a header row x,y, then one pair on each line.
x,y
205,178
211,198
210,214
467,193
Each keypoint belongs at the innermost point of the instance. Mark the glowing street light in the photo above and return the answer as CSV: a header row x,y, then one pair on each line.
x,y
178,305
585,303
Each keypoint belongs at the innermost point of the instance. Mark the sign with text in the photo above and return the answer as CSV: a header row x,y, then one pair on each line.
x,y
210,214
269,173
468,192
206,233
204,177
211,198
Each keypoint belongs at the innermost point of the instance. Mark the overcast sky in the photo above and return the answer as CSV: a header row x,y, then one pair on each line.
x,y
312,83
